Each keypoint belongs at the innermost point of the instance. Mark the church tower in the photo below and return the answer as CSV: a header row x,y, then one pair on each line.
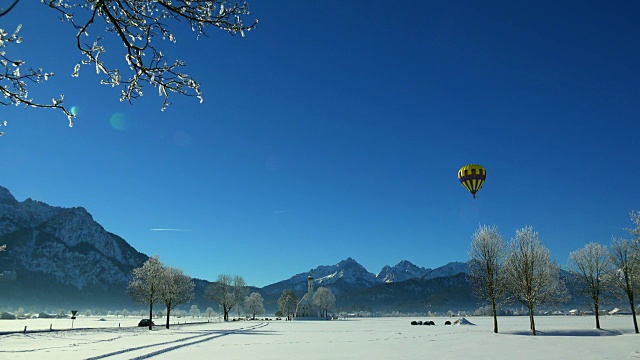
x,y
310,288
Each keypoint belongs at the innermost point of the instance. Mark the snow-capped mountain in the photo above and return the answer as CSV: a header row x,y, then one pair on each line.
x,y
62,246
62,256
404,270
348,271
452,268
348,275
29,213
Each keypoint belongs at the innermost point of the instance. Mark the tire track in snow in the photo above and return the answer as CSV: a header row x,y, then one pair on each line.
x,y
206,337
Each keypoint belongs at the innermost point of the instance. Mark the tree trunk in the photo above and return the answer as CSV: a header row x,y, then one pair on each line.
x,y
631,303
226,312
495,316
150,315
533,324
597,316
168,312
633,313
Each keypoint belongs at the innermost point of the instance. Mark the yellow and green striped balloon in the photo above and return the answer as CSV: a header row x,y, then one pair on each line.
x,y
472,177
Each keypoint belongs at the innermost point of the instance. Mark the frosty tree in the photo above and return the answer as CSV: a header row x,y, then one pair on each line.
x,y
591,266
176,288
324,299
287,303
142,27
254,304
194,311
635,232
486,256
145,286
210,312
530,276
626,261
227,291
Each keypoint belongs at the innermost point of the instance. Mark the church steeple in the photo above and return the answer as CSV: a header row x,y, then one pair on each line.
x,y
310,287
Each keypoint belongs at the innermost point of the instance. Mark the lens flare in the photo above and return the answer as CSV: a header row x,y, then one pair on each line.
x,y
119,121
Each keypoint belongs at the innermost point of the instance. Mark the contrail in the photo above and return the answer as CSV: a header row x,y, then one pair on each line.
x,y
170,230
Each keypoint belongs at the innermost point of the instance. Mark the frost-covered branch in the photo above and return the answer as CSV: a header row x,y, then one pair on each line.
x,y
254,304
175,289
324,299
227,291
486,257
530,276
591,266
635,231
136,24
15,77
626,261
139,24
144,287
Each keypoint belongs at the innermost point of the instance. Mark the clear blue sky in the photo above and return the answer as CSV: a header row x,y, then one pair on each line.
x,y
336,129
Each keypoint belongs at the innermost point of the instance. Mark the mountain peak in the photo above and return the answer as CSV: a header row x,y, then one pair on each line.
x,y
6,197
449,269
404,263
402,271
64,245
348,260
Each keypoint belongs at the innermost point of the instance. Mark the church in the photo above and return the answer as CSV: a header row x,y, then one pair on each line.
x,y
305,308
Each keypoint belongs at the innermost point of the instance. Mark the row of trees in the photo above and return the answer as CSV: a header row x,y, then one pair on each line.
x,y
154,283
522,270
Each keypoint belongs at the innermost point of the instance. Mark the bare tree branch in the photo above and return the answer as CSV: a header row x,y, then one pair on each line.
x,y
137,24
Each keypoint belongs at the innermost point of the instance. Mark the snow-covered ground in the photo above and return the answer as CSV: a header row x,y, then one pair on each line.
x,y
561,337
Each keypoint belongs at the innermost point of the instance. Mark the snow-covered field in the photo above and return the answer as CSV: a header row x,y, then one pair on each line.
x,y
562,337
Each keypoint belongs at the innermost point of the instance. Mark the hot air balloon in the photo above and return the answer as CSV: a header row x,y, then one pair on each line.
x,y
472,177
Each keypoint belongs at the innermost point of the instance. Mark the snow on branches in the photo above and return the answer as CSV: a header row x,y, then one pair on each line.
x,y
14,78
134,23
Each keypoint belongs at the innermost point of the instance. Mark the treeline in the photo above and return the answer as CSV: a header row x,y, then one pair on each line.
x,y
521,271
155,283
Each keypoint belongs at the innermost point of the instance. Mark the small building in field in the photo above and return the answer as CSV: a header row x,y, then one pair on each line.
x,y
305,307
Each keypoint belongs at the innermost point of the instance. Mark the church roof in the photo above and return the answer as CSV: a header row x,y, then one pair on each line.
x,y
304,300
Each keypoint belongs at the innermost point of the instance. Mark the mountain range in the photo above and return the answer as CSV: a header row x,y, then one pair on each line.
x,y
61,258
